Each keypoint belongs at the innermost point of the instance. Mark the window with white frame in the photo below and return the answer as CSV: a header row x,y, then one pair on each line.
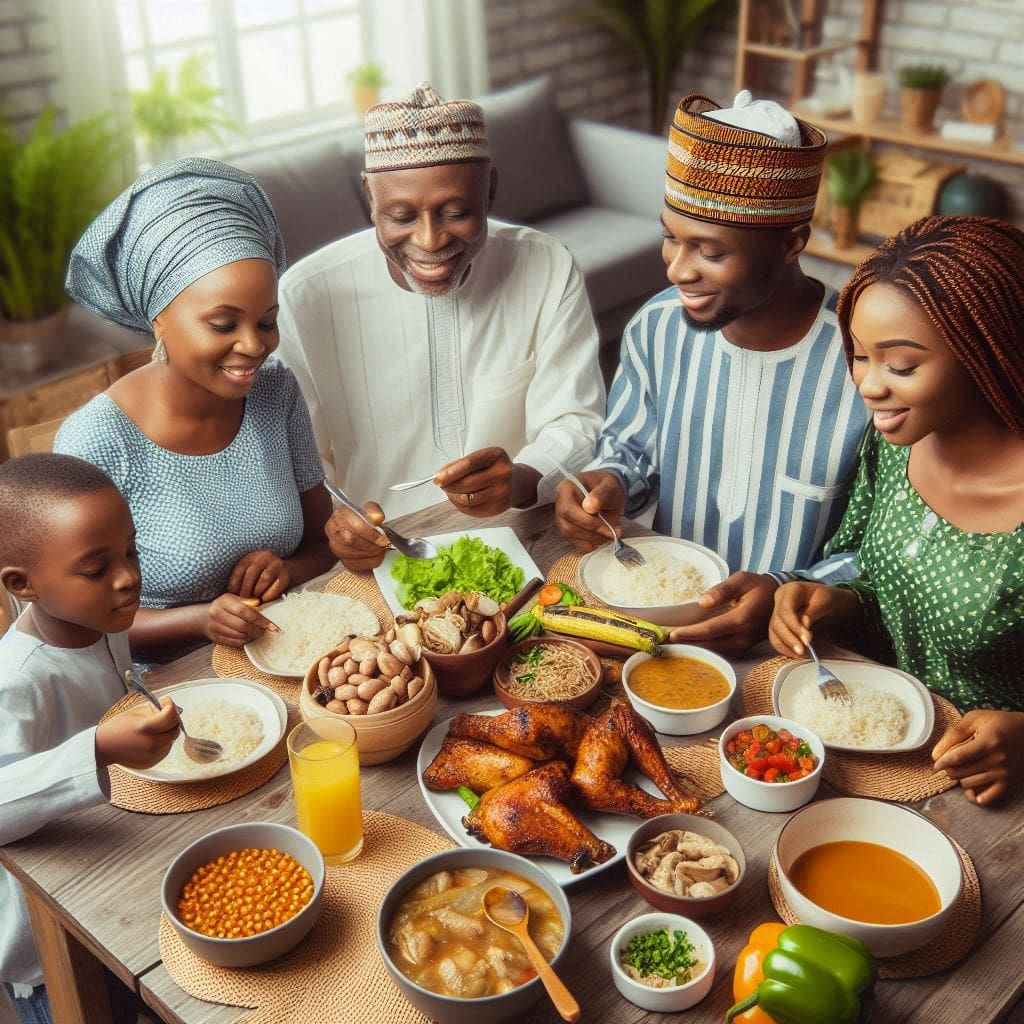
x,y
281,64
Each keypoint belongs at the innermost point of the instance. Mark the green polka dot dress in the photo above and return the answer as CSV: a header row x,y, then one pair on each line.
x,y
950,603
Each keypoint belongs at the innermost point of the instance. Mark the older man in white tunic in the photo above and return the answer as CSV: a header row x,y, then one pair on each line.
x,y
439,341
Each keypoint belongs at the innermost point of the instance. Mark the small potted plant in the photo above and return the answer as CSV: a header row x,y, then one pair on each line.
x,y
848,175
365,81
921,88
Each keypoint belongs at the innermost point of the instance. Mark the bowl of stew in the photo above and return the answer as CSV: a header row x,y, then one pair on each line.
x,y
770,763
446,956
683,691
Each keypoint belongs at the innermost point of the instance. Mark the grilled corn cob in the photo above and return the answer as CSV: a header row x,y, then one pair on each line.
x,y
599,624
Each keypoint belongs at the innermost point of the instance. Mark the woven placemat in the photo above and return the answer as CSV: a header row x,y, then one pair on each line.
x,y
954,941
142,796
902,778
233,662
567,570
335,975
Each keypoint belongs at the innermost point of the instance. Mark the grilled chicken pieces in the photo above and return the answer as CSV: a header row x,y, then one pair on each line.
x,y
537,731
529,816
602,757
480,766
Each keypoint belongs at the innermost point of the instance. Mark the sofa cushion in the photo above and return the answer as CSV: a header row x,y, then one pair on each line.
x,y
314,188
529,142
619,254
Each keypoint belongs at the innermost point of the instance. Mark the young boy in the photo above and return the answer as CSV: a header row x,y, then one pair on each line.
x,y
67,548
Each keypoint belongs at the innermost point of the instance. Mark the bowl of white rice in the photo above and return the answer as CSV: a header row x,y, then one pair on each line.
x,y
311,622
663,590
889,710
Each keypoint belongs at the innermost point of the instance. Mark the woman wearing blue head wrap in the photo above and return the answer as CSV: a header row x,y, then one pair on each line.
x,y
211,442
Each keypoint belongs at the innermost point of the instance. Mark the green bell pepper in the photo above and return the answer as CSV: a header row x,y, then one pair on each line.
x,y
814,977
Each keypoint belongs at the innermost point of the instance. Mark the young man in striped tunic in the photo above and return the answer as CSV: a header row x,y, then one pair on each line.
x,y
732,407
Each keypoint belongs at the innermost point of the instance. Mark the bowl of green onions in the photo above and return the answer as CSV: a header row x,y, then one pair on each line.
x,y
663,962
548,669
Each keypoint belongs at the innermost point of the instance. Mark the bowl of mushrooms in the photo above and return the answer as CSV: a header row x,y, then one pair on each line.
x,y
385,689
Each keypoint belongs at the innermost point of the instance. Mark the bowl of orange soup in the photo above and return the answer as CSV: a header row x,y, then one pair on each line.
x,y
874,870
685,690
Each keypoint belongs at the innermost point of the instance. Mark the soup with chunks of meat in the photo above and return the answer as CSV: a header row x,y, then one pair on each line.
x,y
441,939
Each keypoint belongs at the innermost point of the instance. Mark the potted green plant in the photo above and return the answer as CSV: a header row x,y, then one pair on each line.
x,y
921,88
848,176
52,185
365,81
169,111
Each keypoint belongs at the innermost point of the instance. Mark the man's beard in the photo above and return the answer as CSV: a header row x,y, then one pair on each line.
x,y
722,318
461,251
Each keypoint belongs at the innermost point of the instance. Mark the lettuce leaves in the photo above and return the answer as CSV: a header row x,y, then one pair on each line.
x,y
468,564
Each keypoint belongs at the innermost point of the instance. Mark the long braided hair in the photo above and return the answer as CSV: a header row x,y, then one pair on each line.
x,y
967,274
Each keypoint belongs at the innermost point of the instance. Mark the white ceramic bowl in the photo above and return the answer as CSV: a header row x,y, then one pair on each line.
x,y
256,949
872,821
770,796
684,613
687,722
678,997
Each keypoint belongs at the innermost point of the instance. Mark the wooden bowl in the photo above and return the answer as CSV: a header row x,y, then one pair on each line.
x,y
381,737
459,675
503,672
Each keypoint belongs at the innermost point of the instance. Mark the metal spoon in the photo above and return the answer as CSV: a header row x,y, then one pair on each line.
x,y
414,547
201,751
410,484
508,910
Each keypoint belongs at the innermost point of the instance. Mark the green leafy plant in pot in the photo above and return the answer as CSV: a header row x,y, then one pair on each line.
x,y
52,185
921,88
365,81
848,176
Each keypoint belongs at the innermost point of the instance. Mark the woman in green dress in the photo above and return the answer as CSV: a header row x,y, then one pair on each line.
x,y
933,325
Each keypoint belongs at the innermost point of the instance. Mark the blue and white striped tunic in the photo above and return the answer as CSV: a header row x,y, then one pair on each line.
x,y
749,453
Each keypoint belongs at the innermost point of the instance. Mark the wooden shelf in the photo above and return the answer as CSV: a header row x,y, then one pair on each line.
x,y
820,244
798,54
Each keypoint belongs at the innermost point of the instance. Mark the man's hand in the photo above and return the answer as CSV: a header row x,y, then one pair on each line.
x,y
487,482
984,752
358,546
575,515
138,737
742,607
801,605
259,574
233,622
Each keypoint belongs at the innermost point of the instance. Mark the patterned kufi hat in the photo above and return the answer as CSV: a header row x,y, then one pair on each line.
x,y
178,222
422,130
753,165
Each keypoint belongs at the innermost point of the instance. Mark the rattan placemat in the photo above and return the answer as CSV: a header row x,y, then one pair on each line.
x,y
904,778
233,662
952,945
567,570
335,975
131,793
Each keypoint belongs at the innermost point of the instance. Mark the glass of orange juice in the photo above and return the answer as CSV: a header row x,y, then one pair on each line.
x,y
324,763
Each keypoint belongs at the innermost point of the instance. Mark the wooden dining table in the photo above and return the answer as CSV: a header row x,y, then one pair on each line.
x,y
93,878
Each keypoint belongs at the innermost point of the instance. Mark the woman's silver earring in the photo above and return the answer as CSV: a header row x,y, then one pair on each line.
x,y
160,352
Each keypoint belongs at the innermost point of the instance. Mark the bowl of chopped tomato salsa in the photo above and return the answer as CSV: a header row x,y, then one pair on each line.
x,y
770,763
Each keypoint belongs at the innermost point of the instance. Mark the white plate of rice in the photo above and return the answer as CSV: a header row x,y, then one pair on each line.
x,y
889,711
311,622
245,718
665,588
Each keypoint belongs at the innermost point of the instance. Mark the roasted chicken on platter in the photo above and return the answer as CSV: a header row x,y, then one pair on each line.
x,y
539,731
480,766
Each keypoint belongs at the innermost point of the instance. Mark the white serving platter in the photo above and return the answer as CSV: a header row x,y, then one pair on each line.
x,y
502,537
449,809
268,706
911,692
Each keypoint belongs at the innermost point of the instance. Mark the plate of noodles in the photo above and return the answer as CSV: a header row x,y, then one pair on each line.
x,y
244,717
548,669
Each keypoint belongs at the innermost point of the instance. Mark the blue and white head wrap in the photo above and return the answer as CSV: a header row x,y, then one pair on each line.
x,y
178,222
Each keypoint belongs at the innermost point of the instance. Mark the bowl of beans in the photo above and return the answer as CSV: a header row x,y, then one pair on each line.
x,y
211,893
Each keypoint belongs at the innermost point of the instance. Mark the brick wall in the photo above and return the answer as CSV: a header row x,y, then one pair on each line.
x,y
28,62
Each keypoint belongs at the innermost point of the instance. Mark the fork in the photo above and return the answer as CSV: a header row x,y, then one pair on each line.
x,y
829,684
625,553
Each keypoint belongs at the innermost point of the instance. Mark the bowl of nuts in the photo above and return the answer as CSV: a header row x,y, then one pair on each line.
x,y
383,687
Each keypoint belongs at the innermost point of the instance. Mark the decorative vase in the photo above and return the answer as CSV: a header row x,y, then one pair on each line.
x,y
26,346
844,227
364,97
917,109
867,98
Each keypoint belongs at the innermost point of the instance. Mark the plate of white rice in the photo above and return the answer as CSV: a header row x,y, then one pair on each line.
x,y
245,718
889,710
311,623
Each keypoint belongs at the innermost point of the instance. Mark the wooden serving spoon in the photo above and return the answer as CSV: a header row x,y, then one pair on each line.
x,y
507,909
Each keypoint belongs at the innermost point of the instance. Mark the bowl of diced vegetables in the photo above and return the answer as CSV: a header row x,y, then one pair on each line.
x,y
770,763
663,962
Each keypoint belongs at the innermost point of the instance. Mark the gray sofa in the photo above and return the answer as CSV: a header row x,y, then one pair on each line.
x,y
595,187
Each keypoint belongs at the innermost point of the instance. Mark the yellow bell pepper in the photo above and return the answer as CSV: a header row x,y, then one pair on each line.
x,y
749,973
